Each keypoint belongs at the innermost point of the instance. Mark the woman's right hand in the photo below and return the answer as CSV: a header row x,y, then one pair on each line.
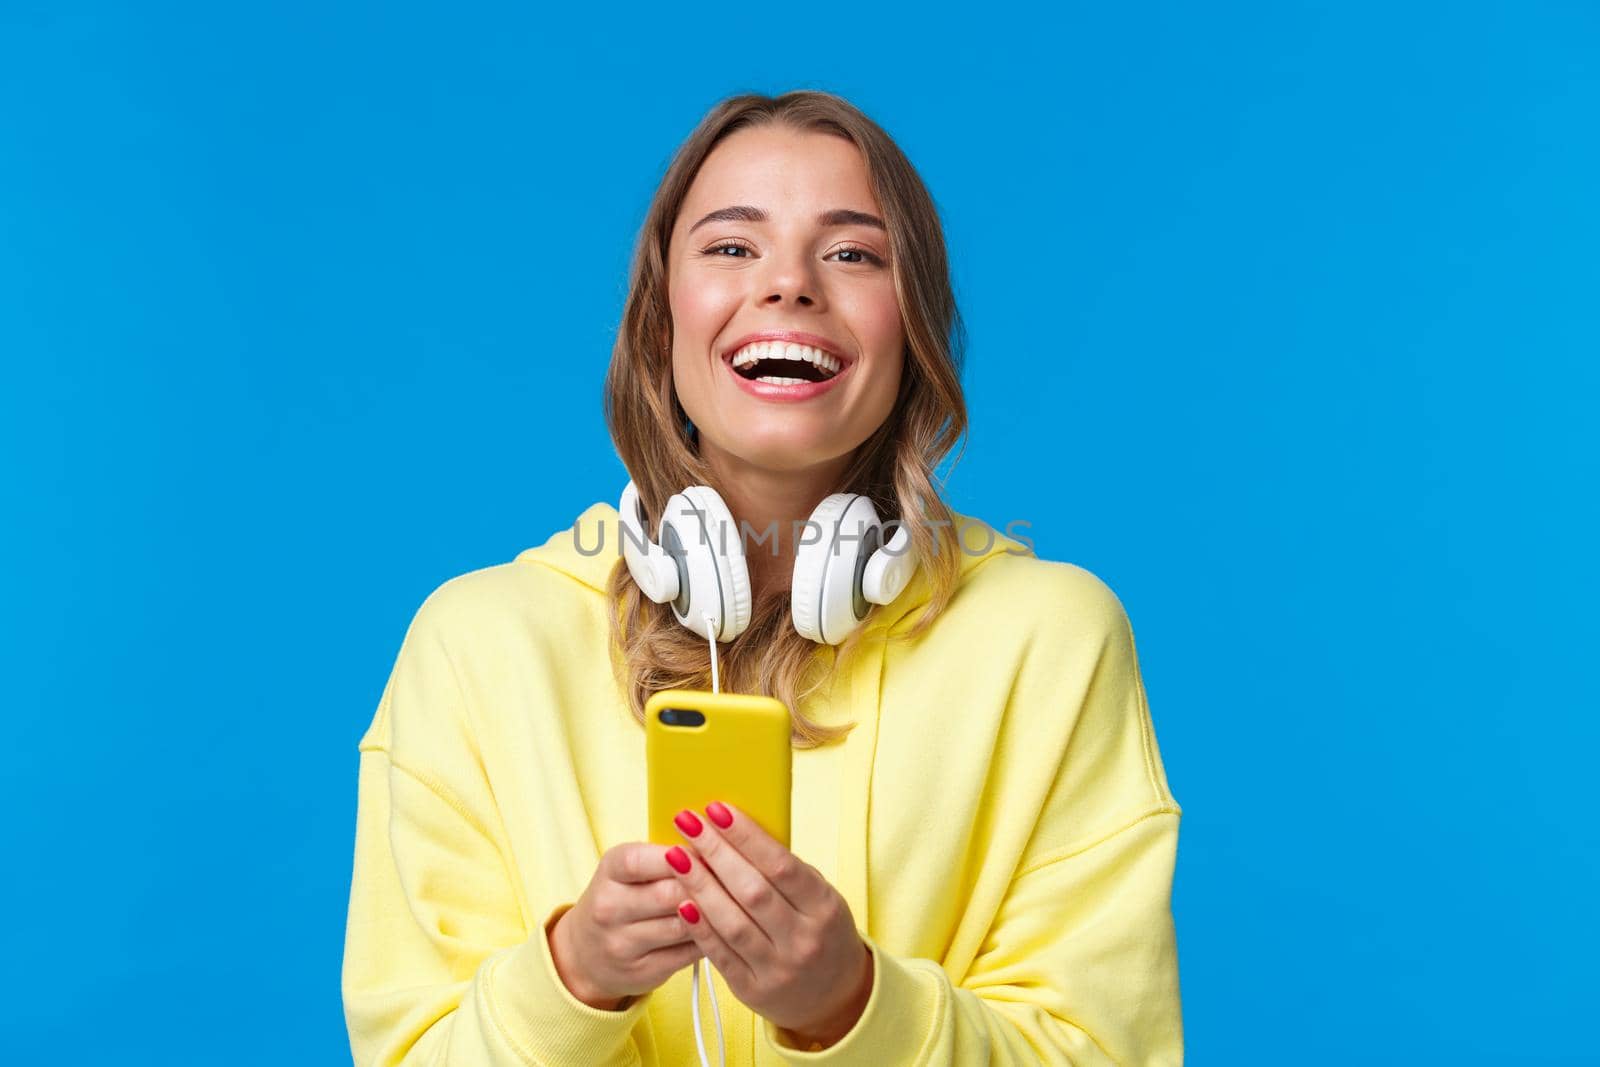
x,y
625,935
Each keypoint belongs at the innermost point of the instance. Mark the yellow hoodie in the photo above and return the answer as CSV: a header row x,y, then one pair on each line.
x,y
999,823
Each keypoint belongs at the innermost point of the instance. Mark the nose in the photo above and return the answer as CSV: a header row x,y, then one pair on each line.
x,y
789,278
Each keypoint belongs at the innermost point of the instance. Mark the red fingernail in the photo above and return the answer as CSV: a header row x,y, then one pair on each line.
x,y
719,814
688,823
689,911
679,859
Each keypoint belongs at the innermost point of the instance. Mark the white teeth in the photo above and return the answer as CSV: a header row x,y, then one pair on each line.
x,y
780,350
772,379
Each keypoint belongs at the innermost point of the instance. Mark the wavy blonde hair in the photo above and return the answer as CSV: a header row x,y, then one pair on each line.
x,y
650,649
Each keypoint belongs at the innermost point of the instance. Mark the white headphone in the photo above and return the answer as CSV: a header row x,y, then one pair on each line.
x,y
697,562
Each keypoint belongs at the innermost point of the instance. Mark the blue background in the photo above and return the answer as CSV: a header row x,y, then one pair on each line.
x,y
1283,321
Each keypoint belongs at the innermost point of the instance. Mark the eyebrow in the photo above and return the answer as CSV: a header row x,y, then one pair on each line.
x,y
840,216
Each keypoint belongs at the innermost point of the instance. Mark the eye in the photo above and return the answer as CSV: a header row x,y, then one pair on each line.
x,y
865,255
717,248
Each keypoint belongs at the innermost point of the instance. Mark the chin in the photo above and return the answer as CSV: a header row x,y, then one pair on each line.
x,y
782,459
784,452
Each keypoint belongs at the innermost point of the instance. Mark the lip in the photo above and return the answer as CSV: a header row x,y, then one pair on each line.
x,y
784,393
787,393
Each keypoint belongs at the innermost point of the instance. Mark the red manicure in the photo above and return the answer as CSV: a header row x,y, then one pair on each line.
x,y
688,823
720,814
679,859
689,911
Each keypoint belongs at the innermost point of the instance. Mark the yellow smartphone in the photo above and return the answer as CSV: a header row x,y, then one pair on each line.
x,y
702,746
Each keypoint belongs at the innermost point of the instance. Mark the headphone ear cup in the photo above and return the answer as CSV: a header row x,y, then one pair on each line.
x,y
890,568
654,571
825,599
718,579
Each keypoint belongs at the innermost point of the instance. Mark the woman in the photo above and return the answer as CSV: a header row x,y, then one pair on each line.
x,y
983,838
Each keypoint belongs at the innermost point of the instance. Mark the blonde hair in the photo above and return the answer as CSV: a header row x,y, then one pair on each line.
x,y
650,649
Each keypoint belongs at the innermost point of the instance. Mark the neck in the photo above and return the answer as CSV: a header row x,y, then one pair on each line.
x,y
772,505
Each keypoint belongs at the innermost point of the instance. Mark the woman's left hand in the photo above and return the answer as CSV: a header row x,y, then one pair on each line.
x,y
781,937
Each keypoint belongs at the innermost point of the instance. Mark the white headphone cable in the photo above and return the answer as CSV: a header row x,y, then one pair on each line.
x,y
694,978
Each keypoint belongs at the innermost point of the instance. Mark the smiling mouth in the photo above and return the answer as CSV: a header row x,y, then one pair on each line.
x,y
780,363
782,371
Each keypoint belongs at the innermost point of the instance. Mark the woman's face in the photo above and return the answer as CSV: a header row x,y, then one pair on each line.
x,y
778,235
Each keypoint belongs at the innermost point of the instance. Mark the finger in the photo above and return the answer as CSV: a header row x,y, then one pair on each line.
x,y
636,861
801,884
637,901
730,921
671,958
652,935
714,947
759,898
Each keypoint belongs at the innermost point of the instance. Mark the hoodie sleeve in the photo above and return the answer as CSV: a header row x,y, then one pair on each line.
x,y
1079,966
1080,969
440,964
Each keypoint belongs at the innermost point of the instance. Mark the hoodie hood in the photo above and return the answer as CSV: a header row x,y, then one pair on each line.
x,y
588,550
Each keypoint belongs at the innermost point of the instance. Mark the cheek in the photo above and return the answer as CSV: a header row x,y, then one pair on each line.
x,y
883,334
700,308
875,319
874,314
